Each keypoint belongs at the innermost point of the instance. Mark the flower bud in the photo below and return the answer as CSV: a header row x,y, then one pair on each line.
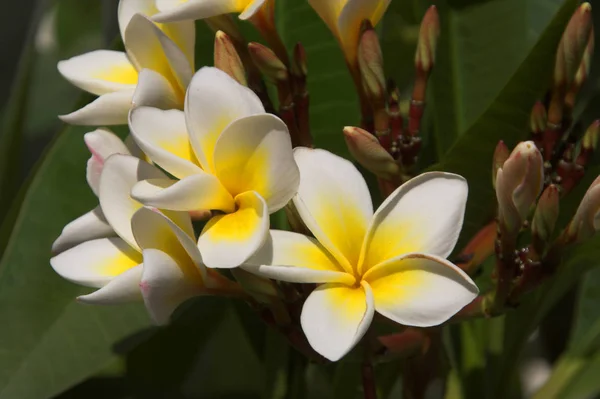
x,y
587,218
546,214
370,63
428,38
227,58
538,119
501,154
586,62
518,184
365,148
572,46
589,144
267,62
299,65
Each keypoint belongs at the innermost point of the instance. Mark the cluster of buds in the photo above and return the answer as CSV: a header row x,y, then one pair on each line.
x,y
392,141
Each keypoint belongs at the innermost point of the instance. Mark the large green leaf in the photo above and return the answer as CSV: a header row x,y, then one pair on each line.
x,y
333,100
505,119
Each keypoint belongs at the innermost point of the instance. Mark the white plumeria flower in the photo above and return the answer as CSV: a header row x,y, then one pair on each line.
x,y
391,261
179,10
344,19
172,270
113,264
155,70
102,143
236,160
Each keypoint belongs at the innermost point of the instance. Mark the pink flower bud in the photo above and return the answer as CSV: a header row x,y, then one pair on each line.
x,y
227,58
546,213
501,154
299,66
587,218
539,118
518,184
370,62
267,62
365,148
572,46
428,38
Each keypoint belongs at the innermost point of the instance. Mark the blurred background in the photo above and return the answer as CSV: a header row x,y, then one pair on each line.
x,y
237,357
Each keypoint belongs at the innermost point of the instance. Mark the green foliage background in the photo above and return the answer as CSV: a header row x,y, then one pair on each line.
x,y
495,59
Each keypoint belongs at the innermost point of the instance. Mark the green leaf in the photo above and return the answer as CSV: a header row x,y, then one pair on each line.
x,y
333,100
48,337
505,119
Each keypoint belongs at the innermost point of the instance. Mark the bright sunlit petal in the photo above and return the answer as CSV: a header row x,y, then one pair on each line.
x,y
179,10
154,90
122,289
108,109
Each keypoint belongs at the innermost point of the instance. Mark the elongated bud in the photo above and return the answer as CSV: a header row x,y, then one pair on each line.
x,y
501,154
587,218
572,46
299,65
428,38
586,62
546,213
518,184
227,58
539,118
370,62
365,148
268,63
589,144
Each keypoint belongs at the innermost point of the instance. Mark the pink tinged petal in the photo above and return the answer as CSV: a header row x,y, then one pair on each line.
x,y
120,174
164,286
154,90
335,317
177,10
151,48
100,72
95,263
420,290
122,289
425,214
334,202
163,136
296,258
88,227
254,153
108,109
102,143
213,101
155,230
196,192
229,240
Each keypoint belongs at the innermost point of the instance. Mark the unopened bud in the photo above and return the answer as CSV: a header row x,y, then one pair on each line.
x,y
428,38
590,139
518,184
586,62
370,63
227,58
501,154
538,119
365,148
572,46
587,218
268,63
299,66
546,213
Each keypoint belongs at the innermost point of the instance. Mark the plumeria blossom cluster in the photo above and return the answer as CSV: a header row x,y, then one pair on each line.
x,y
191,190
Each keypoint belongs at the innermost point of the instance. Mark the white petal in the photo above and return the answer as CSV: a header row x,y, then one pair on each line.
x,y
182,33
296,258
154,90
424,215
163,136
351,18
254,153
252,9
100,72
228,240
328,11
120,174
108,109
178,10
213,101
151,48
122,289
102,143
192,193
420,290
95,263
335,317
165,286
88,227
334,202
155,230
